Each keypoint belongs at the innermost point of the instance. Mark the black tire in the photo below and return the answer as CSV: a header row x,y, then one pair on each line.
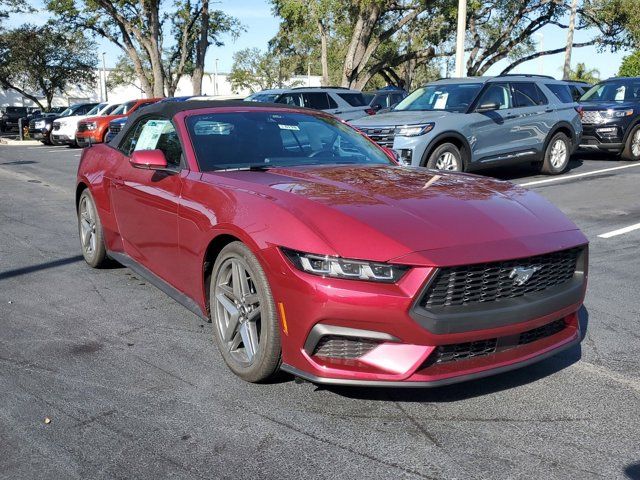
x,y
93,250
559,146
266,360
448,154
633,144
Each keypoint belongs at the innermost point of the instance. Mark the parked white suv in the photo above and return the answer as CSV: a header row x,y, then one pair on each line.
x,y
342,102
64,128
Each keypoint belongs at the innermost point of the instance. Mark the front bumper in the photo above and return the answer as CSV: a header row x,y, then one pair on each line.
x,y
404,351
606,137
62,138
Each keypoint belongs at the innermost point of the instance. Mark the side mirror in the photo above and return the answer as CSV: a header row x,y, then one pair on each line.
x,y
487,107
392,154
148,159
377,107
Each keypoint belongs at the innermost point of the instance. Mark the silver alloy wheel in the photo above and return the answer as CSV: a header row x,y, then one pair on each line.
x,y
237,310
447,161
635,144
558,153
88,236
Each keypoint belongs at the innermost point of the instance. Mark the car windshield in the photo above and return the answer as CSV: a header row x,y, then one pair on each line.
x,y
614,91
124,108
95,110
454,97
244,140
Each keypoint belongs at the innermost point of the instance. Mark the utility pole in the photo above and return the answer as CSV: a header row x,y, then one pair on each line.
x,y
104,75
567,52
462,26
215,78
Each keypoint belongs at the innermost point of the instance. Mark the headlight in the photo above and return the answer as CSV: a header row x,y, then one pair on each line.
x,y
39,124
337,267
414,130
611,113
91,125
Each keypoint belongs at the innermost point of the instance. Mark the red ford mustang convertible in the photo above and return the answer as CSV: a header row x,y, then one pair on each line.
x,y
313,252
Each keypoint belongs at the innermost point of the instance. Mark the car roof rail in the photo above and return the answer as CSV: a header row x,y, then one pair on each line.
x,y
535,75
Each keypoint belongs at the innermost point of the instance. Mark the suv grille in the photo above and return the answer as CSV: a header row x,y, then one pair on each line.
x,y
383,136
115,128
82,127
463,351
488,282
591,116
344,347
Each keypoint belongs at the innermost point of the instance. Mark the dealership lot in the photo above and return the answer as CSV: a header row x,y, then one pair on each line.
x,y
134,387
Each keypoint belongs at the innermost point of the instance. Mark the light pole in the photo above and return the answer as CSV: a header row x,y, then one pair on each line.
x,y
215,78
104,75
462,26
567,54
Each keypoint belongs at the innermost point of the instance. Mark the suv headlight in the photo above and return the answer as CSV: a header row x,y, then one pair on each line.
x,y
611,113
337,267
414,130
39,124
91,125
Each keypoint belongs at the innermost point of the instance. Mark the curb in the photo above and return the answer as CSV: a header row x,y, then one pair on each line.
x,y
17,143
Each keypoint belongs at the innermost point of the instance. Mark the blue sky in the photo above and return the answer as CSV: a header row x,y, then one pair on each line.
x,y
261,26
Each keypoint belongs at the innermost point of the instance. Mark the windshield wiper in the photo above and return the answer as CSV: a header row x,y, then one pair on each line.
x,y
250,168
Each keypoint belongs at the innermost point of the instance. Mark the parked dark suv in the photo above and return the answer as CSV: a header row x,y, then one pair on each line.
x,y
611,117
11,116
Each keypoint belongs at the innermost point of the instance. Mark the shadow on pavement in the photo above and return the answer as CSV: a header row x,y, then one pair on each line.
x,y
474,388
515,172
41,266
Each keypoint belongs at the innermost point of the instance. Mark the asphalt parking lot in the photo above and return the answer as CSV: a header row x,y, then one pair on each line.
x,y
135,388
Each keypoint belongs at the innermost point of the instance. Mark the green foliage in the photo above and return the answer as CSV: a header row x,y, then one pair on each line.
x,y
255,71
584,74
45,61
630,65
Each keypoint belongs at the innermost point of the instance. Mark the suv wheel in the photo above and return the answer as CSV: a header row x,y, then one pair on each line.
x,y
446,157
632,149
556,156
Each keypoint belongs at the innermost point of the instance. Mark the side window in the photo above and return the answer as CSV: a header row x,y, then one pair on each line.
x,y
151,134
498,94
316,100
576,93
563,92
290,99
527,94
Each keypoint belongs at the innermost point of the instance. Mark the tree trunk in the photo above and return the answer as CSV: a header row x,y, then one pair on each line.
x,y
201,50
360,39
567,54
324,60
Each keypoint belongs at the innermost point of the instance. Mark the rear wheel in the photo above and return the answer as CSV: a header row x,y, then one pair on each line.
x,y
556,156
90,230
245,321
632,148
446,157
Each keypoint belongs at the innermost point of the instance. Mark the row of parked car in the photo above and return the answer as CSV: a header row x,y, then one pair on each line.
x,y
462,124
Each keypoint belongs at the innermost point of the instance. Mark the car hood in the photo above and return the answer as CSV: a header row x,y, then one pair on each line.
x,y
590,106
387,212
71,119
401,118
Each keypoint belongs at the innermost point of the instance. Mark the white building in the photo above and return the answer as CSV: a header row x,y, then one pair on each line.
x,y
212,84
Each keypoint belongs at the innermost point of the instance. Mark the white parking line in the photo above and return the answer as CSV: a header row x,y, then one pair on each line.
x,y
577,175
620,231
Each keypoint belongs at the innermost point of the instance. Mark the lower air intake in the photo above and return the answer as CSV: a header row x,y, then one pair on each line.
x,y
344,347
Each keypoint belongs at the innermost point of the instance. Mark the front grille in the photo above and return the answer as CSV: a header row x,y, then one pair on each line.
x,y
344,347
82,127
32,125
383,136
114,129
591,116
541,332
56,126
489,282
464,351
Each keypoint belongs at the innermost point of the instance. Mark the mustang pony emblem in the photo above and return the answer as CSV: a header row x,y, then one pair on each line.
x,y
521,275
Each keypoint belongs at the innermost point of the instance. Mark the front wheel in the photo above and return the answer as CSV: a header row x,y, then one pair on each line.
x,y
556,155
90,229
245,321
446,157
632,148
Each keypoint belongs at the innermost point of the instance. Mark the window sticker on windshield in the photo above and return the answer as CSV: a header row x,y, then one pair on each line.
x,y
288,127
441,102
207,127
151,133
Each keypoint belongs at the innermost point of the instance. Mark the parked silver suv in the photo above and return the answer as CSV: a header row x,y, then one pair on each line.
x,y
467,124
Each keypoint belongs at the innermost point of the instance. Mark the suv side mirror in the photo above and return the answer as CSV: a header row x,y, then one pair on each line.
x,y
148,159
487,107
377,107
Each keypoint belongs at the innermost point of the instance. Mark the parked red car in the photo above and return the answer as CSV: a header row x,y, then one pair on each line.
x,y
94,129
313,252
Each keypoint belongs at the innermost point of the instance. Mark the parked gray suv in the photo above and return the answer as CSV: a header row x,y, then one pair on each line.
x,y
467,124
